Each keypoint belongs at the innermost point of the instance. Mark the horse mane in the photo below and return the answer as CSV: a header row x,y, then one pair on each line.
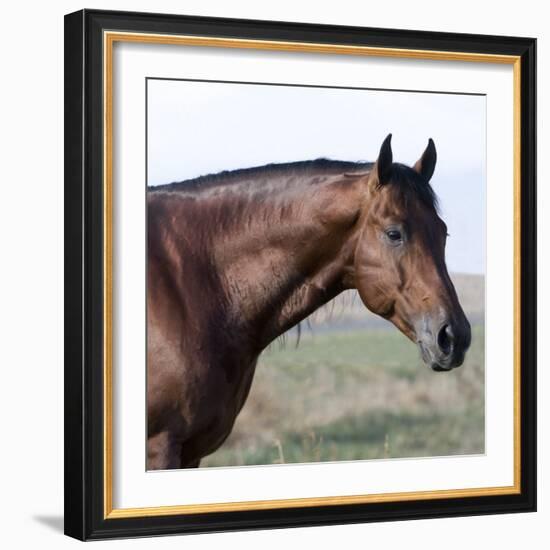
x,y
405,178
231,177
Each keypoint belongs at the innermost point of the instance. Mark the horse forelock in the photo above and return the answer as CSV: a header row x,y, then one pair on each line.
x,y
411,184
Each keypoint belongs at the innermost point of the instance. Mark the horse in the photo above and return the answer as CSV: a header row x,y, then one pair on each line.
x,y
237,258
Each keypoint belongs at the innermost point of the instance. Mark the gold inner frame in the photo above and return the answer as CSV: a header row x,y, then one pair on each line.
x,y
109,38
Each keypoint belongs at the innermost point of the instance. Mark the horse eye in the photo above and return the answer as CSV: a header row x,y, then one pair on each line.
x,y
394,235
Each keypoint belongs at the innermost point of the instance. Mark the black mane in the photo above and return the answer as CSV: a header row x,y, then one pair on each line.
x,y
407,179
227,177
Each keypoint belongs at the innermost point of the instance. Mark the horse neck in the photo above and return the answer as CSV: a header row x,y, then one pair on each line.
x,y
287,256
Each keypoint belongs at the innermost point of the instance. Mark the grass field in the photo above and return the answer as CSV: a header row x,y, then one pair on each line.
x,y
350,392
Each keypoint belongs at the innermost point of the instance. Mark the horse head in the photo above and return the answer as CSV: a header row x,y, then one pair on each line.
x,y
399,261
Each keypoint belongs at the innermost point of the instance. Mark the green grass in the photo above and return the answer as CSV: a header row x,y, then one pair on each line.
x,y
354,395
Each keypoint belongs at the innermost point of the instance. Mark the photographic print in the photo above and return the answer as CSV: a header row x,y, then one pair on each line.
x,y
299,274
315,274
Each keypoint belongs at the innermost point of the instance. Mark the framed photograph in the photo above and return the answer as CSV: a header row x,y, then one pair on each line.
x,y
300,274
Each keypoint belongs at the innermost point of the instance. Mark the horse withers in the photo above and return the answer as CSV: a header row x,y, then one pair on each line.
x,y
238,258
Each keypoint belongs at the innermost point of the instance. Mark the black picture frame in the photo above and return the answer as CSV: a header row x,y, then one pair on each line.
x,y
84,281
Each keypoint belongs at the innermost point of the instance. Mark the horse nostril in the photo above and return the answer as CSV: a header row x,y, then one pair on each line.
x,y
445,339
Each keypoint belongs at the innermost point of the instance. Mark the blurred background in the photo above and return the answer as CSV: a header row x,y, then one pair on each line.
x,y
353,388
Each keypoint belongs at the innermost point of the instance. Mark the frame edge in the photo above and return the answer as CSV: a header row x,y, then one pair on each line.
x,y
74,101
81,520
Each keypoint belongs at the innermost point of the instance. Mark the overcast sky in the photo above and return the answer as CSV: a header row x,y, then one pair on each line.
x,y
197,128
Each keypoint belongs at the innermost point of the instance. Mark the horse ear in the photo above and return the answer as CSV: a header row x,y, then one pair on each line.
x,y
384,161
425,165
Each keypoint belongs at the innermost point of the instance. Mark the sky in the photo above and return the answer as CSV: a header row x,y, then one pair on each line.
x,y
197,128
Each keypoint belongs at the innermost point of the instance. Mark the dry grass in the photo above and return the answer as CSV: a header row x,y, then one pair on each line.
x,y
356,389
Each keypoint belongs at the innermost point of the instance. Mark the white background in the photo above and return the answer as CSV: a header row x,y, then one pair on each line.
x,y
32,278
132,486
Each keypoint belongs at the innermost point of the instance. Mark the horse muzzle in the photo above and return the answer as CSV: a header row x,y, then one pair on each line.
x,y
443,344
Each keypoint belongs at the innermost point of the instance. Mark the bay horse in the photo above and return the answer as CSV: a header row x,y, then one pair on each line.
x,y
238,258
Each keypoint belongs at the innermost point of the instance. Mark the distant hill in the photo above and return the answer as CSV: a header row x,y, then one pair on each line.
x,y
471,293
